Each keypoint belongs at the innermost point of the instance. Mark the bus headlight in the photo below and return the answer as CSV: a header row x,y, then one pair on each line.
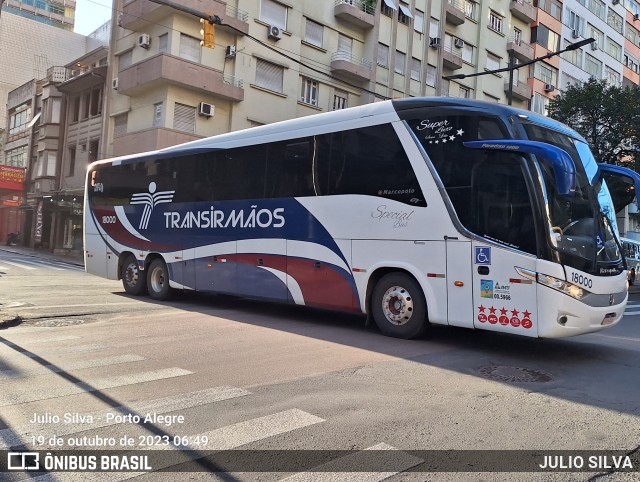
x,y
563,286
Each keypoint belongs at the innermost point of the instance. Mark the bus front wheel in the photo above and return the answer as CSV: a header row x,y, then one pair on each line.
x,y
158,280
133,278
399,307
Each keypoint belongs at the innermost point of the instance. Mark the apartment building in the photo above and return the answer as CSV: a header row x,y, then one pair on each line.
x,y
57,13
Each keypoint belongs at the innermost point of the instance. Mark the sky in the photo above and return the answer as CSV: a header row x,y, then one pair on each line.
x,y
90,14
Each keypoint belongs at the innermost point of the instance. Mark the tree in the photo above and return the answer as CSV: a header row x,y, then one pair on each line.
x,y
607,116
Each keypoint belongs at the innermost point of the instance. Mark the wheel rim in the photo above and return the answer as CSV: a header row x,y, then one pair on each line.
x,y
397,305
157,280
132,274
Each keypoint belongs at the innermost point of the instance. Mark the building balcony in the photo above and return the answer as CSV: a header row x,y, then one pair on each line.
x,y
138,15
521,50
523,9
350,66
355,12
164,68
149,140
520,90
451,60
455,12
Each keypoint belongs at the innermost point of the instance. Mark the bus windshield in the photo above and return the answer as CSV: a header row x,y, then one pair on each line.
x,y
582,227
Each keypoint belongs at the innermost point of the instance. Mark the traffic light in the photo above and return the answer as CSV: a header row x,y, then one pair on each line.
x,y
208,33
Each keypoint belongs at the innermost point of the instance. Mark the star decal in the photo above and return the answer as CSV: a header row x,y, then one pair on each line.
x,y
481,308
444,140
526,314
492,310
451,138
460,132
514,312
503,312
437,142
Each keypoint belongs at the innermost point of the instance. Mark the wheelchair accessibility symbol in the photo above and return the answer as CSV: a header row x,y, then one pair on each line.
x,y
483,255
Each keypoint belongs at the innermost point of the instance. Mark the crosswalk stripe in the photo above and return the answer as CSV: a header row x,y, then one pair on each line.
x,y
63,366
53,351
40,264
18,265
630,312
51,339
11,437
342,469
31,394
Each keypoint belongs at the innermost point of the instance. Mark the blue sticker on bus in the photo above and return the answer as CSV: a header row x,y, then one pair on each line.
x,y
483,255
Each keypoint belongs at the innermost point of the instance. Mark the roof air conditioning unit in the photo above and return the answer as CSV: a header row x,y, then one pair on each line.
x,y
275,32
114,83
575,34
206,110
230,52
594,46
549,87
459,43
434,42
144,41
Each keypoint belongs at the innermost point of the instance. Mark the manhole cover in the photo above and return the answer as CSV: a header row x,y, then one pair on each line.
x,y
515,374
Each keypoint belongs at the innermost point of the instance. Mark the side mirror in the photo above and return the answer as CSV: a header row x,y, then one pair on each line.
x,y
623,184
564,168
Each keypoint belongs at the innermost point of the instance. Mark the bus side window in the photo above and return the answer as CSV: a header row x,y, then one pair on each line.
x,y
289,169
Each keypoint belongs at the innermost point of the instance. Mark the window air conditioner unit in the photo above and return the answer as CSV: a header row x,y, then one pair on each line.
x,y
575,34
275,32
114,83
615,2
206,110
594,46
636,16
459,43
434,42
230,53
144,41
549,87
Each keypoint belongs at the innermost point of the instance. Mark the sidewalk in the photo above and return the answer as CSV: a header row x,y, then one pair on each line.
x,y
65,256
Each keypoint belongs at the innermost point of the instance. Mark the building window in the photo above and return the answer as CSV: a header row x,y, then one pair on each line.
x,y
493,62
75,108
120,124
189,48
158,109
71,154
313,33
96,102
17,157
387,7
545,73
18,121
612,76
269,76
273,13
416,68
401,61
540,104
434,28
340,100
552,7
632,34
596,34
464,92
573,56
545,37
86,105
309,93
467,52
574,23
430,78
383,56
517,36
470,9
614,21
614,49
418,21
495,21
597,7
163,44
125,59
94,146
593,66
404,14
184,118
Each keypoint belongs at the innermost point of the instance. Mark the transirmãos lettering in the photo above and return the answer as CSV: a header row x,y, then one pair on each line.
x,y
216,218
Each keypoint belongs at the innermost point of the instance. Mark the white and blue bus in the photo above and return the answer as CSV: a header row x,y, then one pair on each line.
x,y
414,211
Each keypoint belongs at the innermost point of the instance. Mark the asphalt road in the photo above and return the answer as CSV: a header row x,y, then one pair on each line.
x,y
79,360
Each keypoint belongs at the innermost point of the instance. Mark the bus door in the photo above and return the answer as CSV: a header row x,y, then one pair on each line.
x,y
459,283
504,297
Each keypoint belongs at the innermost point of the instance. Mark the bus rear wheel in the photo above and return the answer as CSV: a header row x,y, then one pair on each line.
x,y
399,307
133,278
158,280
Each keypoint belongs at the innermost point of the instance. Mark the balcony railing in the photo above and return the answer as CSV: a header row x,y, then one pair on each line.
x,y
352,59
233,81
455,12
359,4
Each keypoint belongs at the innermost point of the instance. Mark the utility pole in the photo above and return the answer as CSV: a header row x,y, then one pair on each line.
x,y
512,66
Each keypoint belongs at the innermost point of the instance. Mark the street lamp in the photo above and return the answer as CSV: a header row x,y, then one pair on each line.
x,y
513,67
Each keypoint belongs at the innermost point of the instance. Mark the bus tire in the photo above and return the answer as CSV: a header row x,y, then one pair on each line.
x,y
134,279
158,280
398,306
